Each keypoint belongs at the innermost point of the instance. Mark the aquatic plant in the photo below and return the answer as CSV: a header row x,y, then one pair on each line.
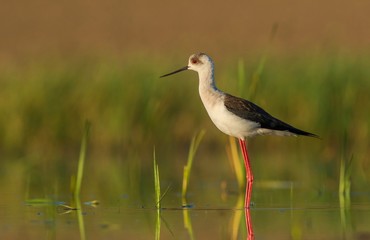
x,y
187,168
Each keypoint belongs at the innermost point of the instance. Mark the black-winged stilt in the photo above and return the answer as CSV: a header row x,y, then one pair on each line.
x,y
235,116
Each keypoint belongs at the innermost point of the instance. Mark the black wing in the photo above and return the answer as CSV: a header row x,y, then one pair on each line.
x,y
250,111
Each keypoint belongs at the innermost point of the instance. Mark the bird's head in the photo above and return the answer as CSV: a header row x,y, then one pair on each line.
x,y
197,62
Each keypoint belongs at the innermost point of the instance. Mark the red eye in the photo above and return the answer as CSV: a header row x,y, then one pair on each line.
x,y
194,60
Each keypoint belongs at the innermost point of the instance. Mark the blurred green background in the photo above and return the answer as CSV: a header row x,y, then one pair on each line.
x,y
64,62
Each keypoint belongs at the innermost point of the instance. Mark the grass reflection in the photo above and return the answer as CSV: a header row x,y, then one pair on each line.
x,y
187,220
237,220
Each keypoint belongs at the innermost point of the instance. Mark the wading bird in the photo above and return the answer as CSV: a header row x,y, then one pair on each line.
x,y
235,116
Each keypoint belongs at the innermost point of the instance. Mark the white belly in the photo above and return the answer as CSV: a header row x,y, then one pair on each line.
x,y
231,124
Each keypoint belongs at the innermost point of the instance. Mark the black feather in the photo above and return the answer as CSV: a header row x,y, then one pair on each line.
x,y
250,111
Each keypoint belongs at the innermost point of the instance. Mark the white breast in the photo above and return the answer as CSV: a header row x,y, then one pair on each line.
x,y
226,121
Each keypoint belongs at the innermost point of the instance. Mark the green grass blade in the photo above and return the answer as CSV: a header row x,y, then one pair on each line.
x,y
256,77
345,173
345,182
345,195
157,196
187,168
241,77
236,163
81,160
157,185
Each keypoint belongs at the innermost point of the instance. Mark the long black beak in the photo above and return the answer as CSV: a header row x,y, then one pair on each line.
x,y
177,71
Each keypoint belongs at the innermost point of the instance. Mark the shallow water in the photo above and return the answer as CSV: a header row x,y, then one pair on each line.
x,y
294,213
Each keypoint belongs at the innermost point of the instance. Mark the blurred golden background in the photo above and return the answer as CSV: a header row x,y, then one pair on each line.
x,y
64,62
177,28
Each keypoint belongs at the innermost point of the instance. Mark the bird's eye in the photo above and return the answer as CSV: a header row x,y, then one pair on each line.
x,y
194,60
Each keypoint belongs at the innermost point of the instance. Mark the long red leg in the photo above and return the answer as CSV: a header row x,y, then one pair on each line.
x,y
248,190
249,174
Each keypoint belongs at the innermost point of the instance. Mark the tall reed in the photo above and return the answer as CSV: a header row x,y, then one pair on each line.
x,y
187,168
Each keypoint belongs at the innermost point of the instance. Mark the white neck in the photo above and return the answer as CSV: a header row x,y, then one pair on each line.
x,y
206,79
208,91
